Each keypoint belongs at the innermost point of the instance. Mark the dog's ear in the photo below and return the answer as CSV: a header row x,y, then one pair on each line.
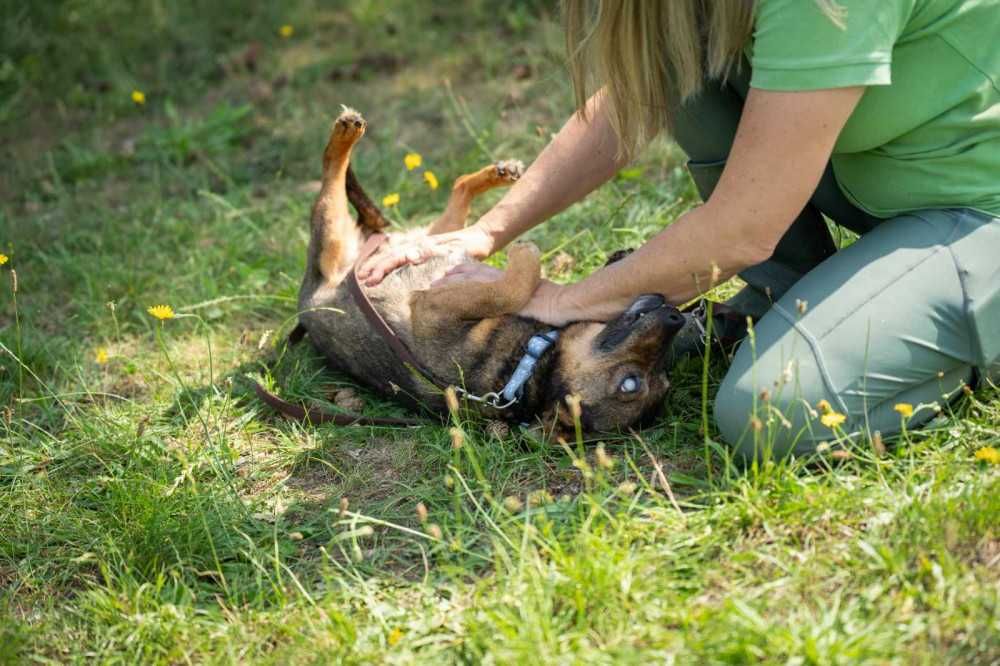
x,y
618,255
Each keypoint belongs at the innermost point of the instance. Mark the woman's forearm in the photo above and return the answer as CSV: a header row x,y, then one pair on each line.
x,y
580,158
713,253
781,148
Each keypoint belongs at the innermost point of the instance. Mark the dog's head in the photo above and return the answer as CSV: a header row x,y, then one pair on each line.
x,y
618,369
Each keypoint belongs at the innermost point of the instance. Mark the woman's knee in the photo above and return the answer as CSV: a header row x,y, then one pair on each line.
x,y
765,407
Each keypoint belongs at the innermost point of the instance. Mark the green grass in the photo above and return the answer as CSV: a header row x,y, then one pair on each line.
x,y
152,512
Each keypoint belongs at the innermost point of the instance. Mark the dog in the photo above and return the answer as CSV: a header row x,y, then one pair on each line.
x,y
469,334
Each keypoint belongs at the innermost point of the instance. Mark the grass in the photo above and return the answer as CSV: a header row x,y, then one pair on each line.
x,y
154,512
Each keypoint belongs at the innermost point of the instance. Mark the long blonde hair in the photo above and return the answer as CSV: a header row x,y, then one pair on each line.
x,y
651,55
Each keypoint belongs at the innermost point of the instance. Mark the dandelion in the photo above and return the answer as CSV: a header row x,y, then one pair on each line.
x,y
988,454
394,637
832,419
451,399
878,445
412,161
905,409
139,97
540,497
161,312
604,461
431,179
513,503
824,406
627,488
286,31
3,259
573,401
100,356
390,200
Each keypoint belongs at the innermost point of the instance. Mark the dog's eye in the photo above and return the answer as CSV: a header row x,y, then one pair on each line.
x,y
629,385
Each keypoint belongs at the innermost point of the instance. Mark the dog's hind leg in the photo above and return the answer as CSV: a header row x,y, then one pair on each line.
x,y
369,215
335,234
468,187
464,301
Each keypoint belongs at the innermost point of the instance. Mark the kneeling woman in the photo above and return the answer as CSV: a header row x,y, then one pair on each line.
x,y
882,116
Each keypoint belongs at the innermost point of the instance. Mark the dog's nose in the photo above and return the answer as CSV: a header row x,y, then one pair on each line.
x,y
675,320
645,304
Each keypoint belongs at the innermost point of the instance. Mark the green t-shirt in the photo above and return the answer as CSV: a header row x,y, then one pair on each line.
x,y
926,133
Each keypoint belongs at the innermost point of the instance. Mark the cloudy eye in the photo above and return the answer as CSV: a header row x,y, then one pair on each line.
x,y
629,385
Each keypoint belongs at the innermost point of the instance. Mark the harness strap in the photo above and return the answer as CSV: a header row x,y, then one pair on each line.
x,y
377,322
316,415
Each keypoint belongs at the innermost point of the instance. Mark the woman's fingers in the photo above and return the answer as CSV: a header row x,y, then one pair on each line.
x,y
381,265
376,268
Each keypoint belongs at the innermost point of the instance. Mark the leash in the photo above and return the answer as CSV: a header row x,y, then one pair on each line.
x,y
316,415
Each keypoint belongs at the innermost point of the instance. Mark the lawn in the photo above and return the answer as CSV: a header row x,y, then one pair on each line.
x,y
152,511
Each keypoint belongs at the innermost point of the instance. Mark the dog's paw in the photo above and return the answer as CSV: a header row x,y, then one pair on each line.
x,y
349,125
509,170
524,251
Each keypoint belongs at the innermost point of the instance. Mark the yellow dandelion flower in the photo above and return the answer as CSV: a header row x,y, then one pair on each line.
x,y
139,97
412,161
394,637
390,200
3,259
989,455
100,356
832,419
161,312
905,409
824,406
286,31
431,179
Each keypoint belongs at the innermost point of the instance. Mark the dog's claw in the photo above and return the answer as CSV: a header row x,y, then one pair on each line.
x,y
509,170
349,125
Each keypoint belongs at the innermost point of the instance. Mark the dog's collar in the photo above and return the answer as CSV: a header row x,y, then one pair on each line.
x,y
536,348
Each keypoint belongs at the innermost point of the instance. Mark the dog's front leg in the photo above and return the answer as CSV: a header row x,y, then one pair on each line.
x,y
470,301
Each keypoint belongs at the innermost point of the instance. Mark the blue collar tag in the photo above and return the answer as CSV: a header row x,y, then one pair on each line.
x,y
537,346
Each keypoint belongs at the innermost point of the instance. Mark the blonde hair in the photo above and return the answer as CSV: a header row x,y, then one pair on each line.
x,y
649,56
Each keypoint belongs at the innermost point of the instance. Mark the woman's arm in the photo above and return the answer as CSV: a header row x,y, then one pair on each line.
x,y
781,148
581,157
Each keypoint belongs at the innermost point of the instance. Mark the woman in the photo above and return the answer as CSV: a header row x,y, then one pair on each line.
x,y
883,116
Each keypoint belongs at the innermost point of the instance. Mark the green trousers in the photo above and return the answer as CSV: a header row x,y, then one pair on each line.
x,y
908,313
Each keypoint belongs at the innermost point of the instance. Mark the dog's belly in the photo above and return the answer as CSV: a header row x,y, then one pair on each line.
x,y
343,335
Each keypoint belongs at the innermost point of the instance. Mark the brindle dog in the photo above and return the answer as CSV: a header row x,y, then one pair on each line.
x,y
469,334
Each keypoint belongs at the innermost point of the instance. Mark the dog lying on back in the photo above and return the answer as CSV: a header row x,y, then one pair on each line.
x,y
469,334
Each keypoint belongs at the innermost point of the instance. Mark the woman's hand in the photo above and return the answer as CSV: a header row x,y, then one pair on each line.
x,y
471,241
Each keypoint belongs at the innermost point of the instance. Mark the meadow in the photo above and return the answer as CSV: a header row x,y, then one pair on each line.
x,y
153,511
